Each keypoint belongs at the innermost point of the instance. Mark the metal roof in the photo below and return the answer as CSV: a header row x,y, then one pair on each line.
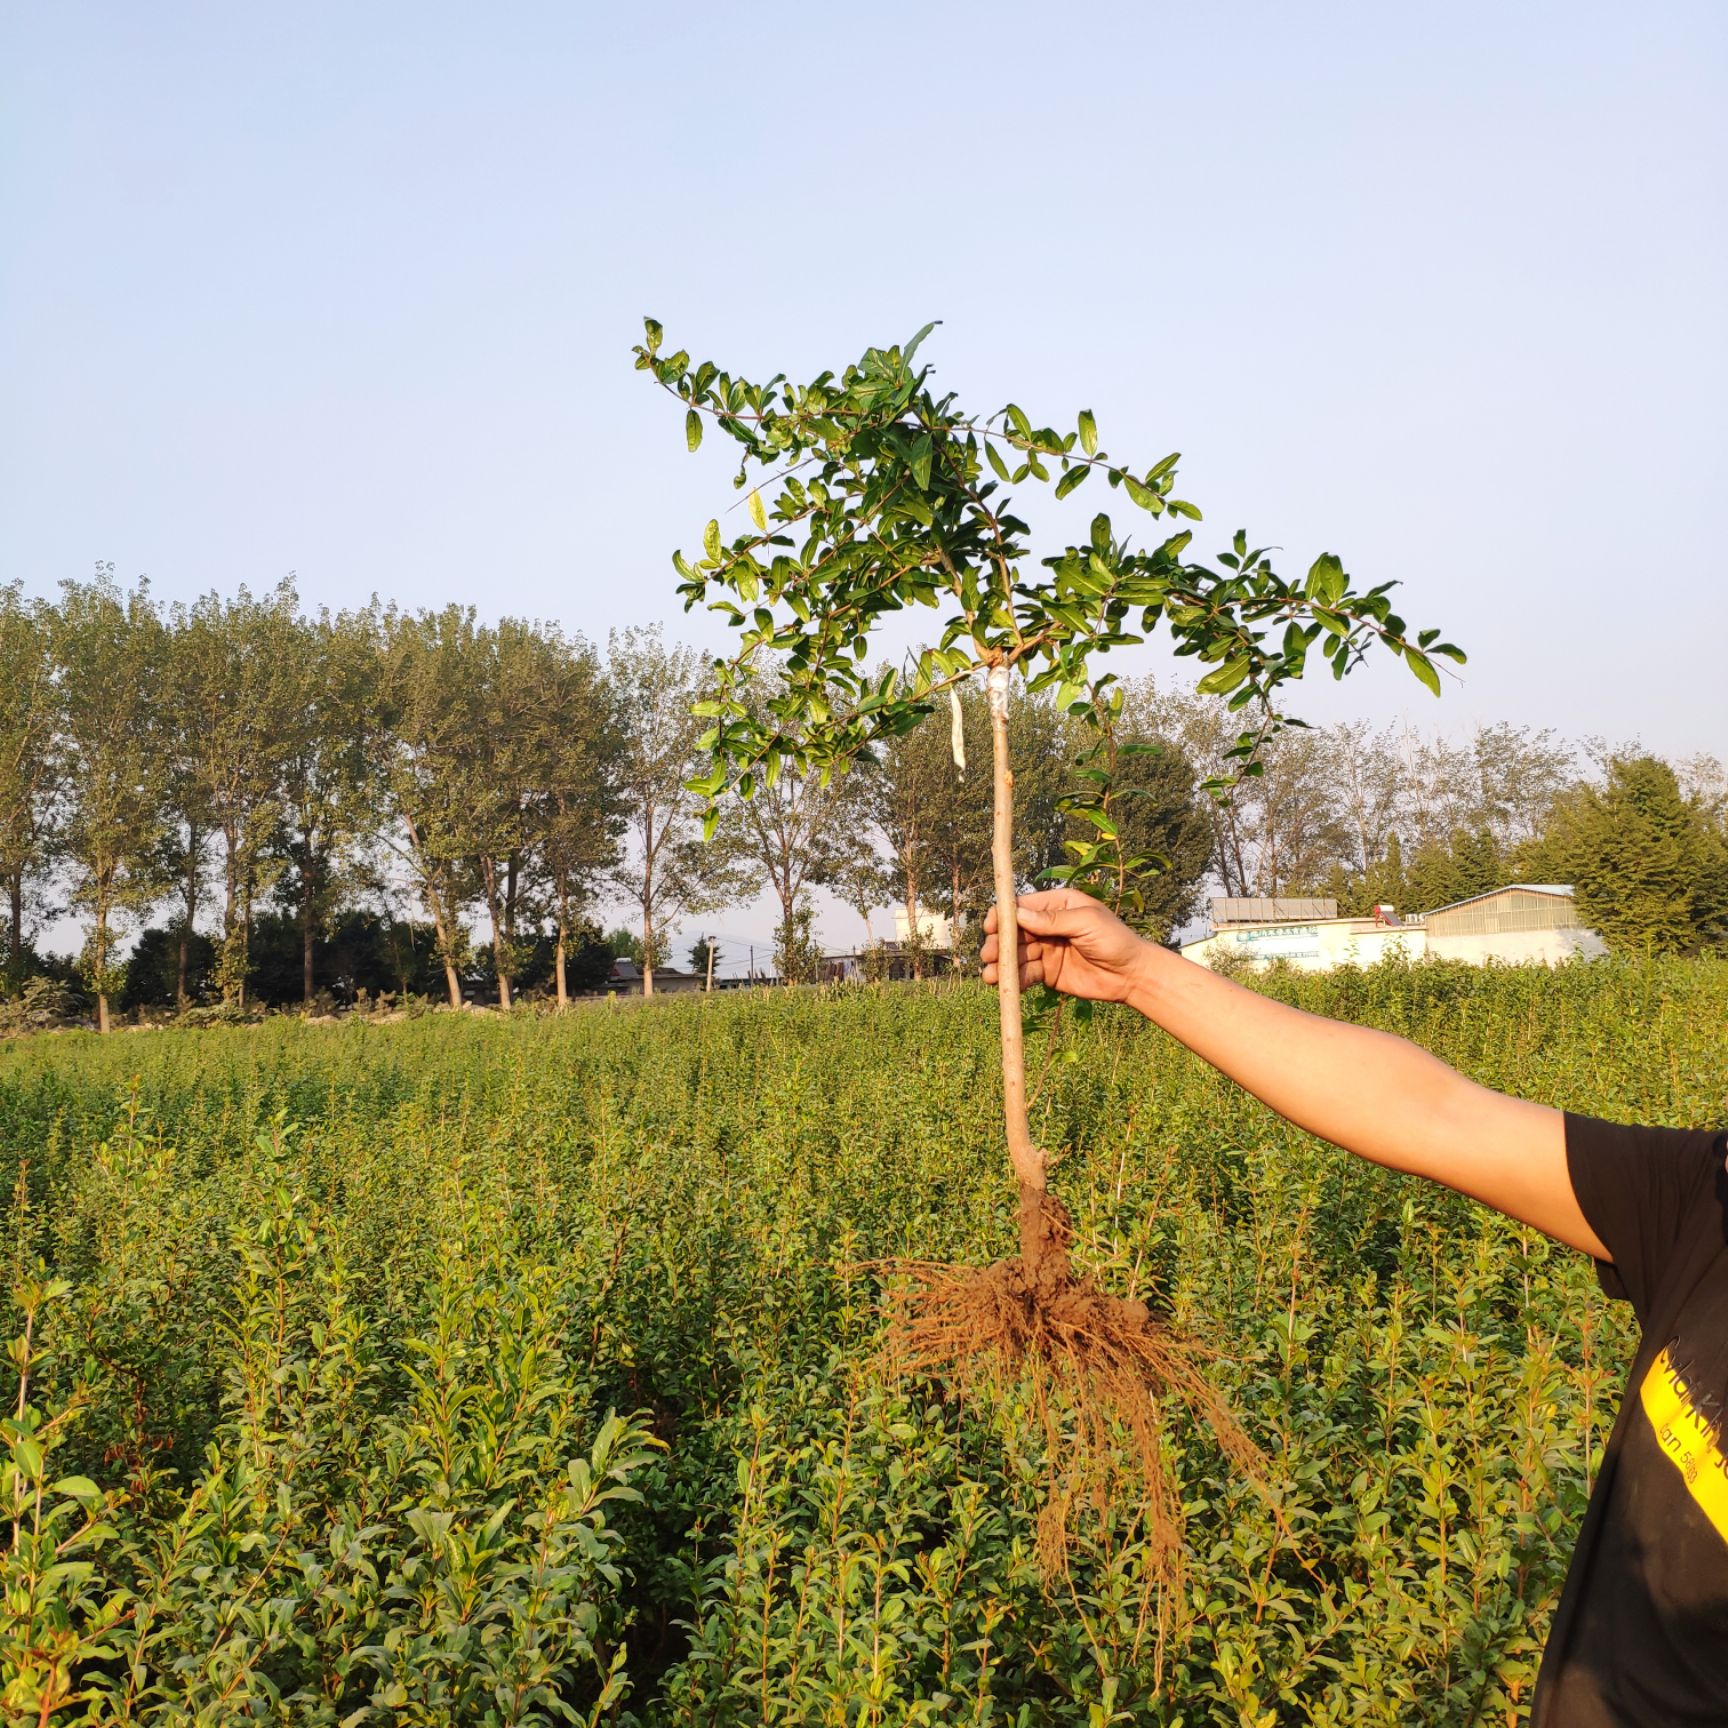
x,y
1271,910
1510,888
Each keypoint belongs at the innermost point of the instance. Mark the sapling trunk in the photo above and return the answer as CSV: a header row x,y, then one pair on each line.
x,y
101,967
181,964
307,982
1028,1161
15,948
559,970
489,873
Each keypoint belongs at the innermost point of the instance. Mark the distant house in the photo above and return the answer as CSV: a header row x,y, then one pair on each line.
x,y
934,930
625,979
1306,933
1524,921
886,960
1282,910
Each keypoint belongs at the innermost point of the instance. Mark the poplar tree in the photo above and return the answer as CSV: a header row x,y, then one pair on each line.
x,y
331,770
577,805
544,818
186,838
800,831
237,701
30,763
1152,796
912,792
431,715
110,647
667,873
499,761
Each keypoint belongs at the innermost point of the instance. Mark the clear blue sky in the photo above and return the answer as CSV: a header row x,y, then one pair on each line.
x,y
349,291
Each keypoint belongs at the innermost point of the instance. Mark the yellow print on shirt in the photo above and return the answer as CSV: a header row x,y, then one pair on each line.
x,y
1690,1442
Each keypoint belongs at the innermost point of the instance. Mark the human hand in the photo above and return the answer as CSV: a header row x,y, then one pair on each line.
x,y
1071,942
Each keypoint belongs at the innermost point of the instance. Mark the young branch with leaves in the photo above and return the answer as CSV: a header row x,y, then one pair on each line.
x,y
870,494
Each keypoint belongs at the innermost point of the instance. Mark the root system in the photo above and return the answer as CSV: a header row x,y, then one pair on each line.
x,y
1102,1372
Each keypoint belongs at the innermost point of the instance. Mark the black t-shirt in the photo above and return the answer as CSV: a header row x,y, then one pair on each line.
x,y
1640,1639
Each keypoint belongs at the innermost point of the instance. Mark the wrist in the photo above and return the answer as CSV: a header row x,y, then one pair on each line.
x,y
1146,977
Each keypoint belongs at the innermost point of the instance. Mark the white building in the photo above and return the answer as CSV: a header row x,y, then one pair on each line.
x,y
1526,921
1522,922
934,931
1308,934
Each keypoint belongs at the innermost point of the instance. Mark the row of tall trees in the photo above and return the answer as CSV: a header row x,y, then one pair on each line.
x,y
236,759
218,757
234,764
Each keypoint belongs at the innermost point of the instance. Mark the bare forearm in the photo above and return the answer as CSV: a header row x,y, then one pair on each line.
x,y
1372,1093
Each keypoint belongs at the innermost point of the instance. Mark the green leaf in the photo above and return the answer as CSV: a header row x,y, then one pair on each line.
x,y
996,461
1423,667
693,429
1144,496
917,341
1088,432
922,452
757,514
1224,678
1073,478
1017,419
711,541
710,821
1326,579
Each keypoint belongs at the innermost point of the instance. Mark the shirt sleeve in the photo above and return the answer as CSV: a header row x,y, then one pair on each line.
x,y
1648,1193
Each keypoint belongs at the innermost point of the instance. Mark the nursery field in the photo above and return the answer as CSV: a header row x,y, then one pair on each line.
x,y
505,1370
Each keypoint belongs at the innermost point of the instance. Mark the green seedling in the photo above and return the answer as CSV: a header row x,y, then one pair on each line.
x,y
870,494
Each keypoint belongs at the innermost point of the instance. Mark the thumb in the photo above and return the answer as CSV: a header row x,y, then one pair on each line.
x,y
1051,920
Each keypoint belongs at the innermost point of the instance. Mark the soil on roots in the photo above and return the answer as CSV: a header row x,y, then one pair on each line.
x,y
1103,1372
